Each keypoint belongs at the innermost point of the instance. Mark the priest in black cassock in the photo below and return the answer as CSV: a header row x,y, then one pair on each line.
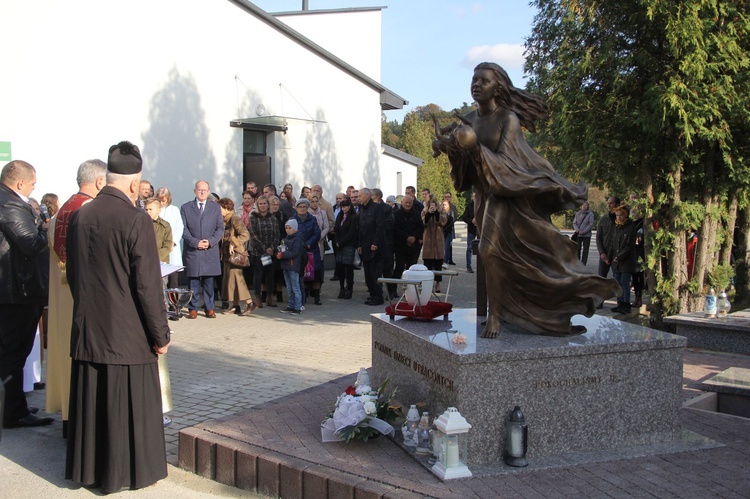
x,y
115,432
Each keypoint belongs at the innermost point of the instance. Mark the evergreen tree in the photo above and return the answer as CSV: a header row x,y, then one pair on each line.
x,y
651,97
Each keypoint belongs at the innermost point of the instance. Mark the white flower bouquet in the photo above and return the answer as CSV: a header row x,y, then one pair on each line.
x,y
360,413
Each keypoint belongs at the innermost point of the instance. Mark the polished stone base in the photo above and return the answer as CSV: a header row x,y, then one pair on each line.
x,y
616,386
731,334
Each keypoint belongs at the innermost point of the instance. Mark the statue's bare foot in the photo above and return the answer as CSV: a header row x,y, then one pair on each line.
x,y
492,327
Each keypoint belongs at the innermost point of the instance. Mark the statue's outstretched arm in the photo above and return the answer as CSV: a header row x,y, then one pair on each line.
x,y
453,138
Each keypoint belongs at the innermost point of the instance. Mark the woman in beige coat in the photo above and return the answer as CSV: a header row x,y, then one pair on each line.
x,y
433,246
235,239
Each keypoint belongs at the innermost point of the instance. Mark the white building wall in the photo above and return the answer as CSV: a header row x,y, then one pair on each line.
x,y
390,168
335,32
82,75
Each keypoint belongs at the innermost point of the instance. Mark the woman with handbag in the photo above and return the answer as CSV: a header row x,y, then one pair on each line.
x,y
345,237
264,238
235,258
309,232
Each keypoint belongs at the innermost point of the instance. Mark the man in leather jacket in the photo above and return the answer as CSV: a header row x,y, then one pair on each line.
x,y
23,246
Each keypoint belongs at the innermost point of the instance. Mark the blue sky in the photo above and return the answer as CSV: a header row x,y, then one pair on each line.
x,y
431,46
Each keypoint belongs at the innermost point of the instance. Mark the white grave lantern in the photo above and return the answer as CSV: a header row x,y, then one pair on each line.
x,y
452,439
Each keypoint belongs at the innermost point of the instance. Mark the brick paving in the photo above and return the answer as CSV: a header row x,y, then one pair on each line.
x,y
231,365
285,434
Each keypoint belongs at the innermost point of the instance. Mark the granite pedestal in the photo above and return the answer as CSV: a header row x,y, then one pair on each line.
x,y
616,386
731,334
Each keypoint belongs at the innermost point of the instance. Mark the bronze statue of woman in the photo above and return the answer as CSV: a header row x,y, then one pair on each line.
x,y
535,280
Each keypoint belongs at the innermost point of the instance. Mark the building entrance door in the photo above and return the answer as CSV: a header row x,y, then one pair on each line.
x,y
256,169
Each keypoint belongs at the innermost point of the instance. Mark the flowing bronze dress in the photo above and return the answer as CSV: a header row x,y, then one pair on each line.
x,y
535,280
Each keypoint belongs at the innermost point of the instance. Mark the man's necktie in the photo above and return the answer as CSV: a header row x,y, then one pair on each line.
x,y
200,207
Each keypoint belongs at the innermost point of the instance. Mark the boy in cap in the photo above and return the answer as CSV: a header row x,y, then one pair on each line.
x,y
291,264
162,229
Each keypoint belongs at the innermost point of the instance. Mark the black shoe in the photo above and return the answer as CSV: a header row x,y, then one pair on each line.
x,y
33,410
348,294
342,293
376,302
451,262
296,312
28,422
469,270
601,306
334,278
287,309
615,309
39,386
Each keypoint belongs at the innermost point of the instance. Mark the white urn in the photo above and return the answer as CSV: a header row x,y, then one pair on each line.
x,y
419,272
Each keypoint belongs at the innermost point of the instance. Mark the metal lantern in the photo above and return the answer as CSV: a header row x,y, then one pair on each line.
x,y
453,438
516,441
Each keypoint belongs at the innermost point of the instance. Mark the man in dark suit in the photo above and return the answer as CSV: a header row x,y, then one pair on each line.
x,y
23,286
372,245
386,213
204,228
115,430
408,230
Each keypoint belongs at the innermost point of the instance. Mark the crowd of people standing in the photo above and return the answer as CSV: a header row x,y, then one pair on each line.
x,y
360,228
108,330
